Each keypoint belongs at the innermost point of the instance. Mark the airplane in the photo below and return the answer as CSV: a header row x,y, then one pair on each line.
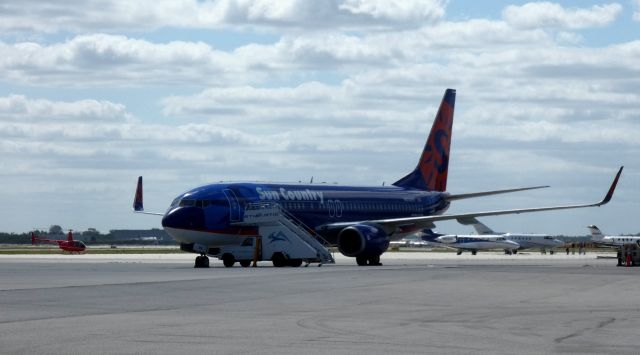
x,y
471,243
360,220
610,240
70,245
526,240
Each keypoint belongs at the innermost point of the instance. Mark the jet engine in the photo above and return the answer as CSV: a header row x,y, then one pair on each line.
x,y
447,239
364,242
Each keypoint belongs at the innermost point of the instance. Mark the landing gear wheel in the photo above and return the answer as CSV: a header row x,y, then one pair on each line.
x,y
515,251
228,260
551,252
459,252
294,262
201,262
474,252
278,260
375,261
362,260
245,263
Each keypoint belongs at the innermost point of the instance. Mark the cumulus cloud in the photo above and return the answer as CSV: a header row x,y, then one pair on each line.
x,y
113,15
103,59
100,58
19,107
553,15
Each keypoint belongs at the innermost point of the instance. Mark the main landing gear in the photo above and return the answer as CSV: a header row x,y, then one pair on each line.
x,y
201,261
473,252
368,261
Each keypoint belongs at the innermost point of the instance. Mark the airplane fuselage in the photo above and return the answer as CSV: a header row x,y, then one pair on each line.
x,y
616,241
208,214
531,241
476,242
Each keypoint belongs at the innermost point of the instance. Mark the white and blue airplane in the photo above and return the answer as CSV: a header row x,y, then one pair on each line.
x,y
360,220
600,239
471,243
543,242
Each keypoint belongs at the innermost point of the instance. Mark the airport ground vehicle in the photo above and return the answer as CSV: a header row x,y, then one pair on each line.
x,y
629,254
253,249
281,238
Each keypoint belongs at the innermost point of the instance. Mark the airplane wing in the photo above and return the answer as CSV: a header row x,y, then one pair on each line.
x,y
404,224
489,193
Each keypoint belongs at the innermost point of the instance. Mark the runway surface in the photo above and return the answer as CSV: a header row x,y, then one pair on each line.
x,y
416,303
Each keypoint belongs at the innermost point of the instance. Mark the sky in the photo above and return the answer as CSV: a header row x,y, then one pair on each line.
x,y
94,93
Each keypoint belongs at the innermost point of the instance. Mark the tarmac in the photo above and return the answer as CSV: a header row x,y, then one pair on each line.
x,y
416,303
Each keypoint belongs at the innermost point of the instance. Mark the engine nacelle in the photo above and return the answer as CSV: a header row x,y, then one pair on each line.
x,y
362,240
447,239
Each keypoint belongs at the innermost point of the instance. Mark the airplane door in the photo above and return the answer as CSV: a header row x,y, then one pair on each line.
x,y
234,206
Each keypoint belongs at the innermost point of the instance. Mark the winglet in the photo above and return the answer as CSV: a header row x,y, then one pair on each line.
x,y
137,201
609,195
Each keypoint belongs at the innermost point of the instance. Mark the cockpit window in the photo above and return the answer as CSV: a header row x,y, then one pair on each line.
x,y
202,203
186,202
175,202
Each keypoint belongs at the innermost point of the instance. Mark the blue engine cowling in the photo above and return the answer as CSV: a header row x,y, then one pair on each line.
x,y
362,240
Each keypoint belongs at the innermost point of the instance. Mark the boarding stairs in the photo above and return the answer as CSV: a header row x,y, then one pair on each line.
x,y
267,215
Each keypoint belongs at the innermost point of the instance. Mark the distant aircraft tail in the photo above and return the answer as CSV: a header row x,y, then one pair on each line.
x,y
596,234
431,172
70,237
482,229
33,238
428,235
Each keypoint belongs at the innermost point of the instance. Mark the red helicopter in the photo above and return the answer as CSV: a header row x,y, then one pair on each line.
x,y
70,245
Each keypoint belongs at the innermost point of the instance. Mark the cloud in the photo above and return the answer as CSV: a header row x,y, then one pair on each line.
x,y
19,107
636,12
117,60
103,59
114,15
553,15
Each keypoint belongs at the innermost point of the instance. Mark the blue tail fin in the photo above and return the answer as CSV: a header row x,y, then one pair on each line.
x,y
431,172
428,235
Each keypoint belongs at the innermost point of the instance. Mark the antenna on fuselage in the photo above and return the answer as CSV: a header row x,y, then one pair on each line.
x,y
383,183
311,181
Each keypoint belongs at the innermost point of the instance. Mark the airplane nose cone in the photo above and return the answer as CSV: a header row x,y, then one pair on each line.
x,y
184,218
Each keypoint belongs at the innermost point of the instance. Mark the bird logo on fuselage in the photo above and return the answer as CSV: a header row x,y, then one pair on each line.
x,y
278,237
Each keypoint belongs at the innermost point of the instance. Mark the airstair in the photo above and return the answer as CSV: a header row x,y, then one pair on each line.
x,y
275,222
